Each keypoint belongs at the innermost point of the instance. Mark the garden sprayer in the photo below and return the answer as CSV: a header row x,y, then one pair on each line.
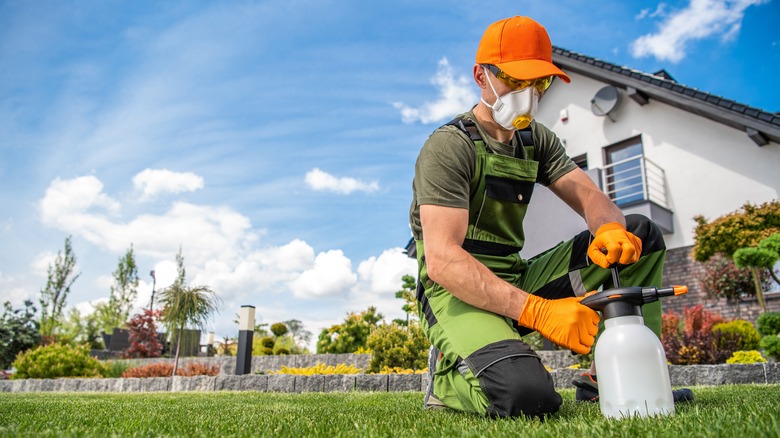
x,y
631,363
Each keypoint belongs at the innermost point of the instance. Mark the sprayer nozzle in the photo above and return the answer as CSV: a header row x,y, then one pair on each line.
x,y
680,290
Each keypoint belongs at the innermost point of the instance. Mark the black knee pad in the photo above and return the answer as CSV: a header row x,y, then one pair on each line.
x,y
647,231
519,385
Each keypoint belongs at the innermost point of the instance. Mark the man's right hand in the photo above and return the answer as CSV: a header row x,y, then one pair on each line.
x,y
564,321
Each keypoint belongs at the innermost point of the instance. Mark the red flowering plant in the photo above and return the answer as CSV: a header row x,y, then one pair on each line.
x,y
143,335
694,341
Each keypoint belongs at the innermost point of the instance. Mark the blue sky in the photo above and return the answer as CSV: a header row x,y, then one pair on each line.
x,y
275,141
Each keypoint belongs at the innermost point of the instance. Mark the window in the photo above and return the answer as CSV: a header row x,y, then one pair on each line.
x,y
581,161
624,175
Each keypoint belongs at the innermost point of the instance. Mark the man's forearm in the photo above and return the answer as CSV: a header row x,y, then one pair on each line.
x,y
473,283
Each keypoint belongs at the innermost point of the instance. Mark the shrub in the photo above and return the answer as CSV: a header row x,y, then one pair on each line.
x,y
768,323
268,351
267,342
320,368
282,351
197,369
350,335
57,360
752,356
739,229
115,368
694,342
279,329
394,346
398,370
738,332
771,345
165,369
160,369
19,331
720,277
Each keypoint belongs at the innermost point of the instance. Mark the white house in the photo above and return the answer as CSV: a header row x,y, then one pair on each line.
x,y
658,148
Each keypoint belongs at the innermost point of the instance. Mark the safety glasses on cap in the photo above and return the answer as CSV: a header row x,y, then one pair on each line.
x,y
541,84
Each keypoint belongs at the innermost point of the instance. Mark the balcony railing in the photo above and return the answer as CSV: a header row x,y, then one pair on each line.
x,y
635,179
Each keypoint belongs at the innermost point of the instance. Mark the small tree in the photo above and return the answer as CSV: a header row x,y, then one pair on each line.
x,y
407,293
279,329
123,294
143,335
185,306
80,329
300,336
19,331
762,257
55,294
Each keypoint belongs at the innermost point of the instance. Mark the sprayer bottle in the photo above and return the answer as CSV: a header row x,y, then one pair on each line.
x,y
630,360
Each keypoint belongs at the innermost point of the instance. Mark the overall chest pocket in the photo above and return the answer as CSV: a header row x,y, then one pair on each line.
x,y
508,186
508,189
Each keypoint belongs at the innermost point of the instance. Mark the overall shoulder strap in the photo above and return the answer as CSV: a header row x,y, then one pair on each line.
x,y
526,147
466,126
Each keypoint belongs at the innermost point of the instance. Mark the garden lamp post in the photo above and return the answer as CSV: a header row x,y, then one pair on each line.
x,y
246,329
154,283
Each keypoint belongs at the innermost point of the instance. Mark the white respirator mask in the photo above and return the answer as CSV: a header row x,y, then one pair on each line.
x,y
516,109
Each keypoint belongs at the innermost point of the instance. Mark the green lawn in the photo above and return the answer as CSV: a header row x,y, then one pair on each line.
x,y
723,411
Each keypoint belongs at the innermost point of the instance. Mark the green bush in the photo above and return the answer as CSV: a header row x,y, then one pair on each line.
x,y
267,342
115,368
742,333
768,323
57,360
268,352
279,329
393,346
282,351
771,345
752,356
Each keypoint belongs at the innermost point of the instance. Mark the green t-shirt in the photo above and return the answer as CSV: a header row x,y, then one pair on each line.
x,y
446,165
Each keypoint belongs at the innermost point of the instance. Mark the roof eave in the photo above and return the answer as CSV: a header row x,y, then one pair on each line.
x,y
664,91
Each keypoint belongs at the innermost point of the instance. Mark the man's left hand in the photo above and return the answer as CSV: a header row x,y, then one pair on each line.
x,y
621,246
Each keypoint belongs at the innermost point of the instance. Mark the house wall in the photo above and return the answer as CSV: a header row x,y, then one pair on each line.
x,y
681,269
711,169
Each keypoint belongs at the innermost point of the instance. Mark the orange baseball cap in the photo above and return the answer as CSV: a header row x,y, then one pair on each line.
x,y
520,47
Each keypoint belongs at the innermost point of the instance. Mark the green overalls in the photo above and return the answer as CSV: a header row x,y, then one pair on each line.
x,y
486,368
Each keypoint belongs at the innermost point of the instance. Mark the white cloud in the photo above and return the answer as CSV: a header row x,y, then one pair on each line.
x,y
154,182
323,181
74,196
455,96
380,279
659,11
701,19
331,274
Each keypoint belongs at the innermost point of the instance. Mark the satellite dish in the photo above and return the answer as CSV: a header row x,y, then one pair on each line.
x,y
605,102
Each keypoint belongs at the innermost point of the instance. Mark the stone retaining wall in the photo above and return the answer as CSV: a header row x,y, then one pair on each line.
x,y
263,364
681,375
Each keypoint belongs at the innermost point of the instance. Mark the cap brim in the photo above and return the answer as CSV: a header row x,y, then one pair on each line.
x,y
532,69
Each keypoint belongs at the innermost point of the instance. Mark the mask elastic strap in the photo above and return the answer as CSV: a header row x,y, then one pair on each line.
x,y
487,76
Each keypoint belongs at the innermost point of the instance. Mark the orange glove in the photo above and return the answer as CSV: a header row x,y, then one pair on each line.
x,y
564,322
621,246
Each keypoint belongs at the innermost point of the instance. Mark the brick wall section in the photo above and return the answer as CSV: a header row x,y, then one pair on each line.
x,y
681,269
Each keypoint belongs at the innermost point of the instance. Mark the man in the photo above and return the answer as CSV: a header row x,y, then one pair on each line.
x,y
473,181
